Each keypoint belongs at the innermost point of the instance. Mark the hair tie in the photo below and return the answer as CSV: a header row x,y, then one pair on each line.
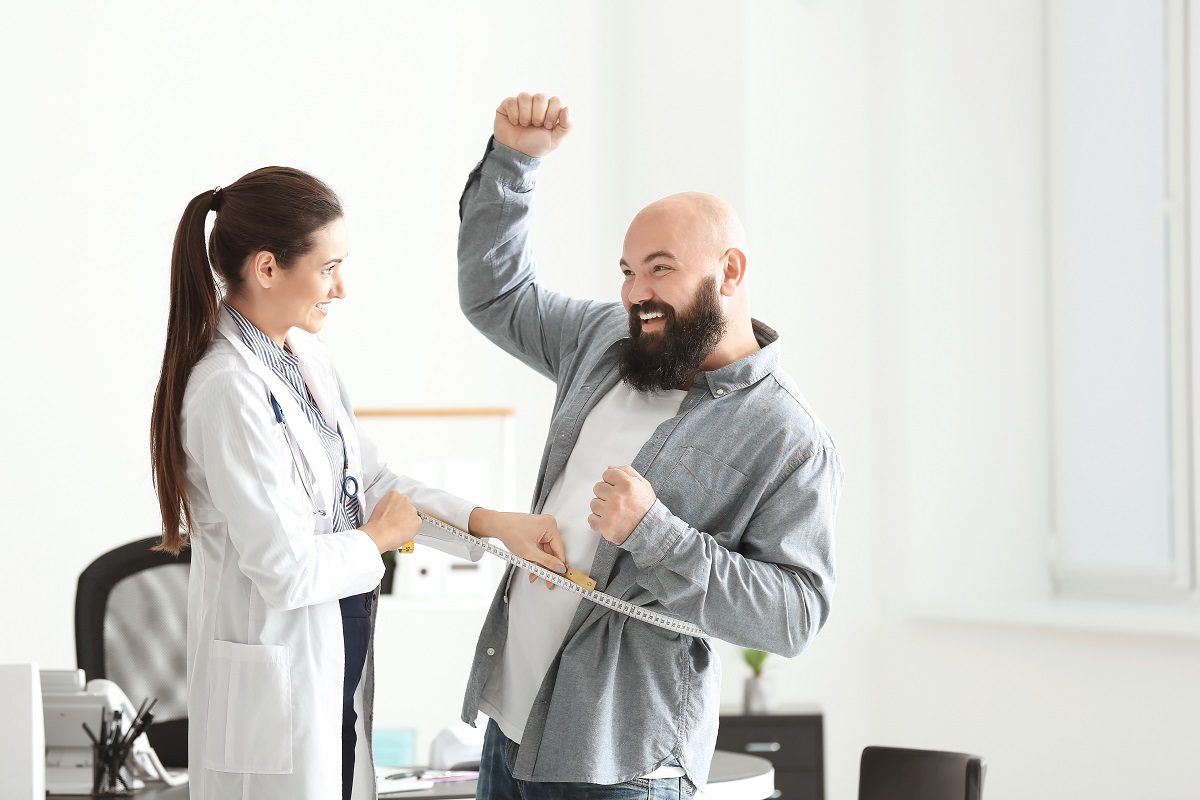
x,y
217,197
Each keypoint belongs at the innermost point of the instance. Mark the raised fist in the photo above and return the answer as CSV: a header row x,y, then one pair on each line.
x,y
532,123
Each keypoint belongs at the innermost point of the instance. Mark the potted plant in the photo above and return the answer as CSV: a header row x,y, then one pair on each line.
x,y
755,700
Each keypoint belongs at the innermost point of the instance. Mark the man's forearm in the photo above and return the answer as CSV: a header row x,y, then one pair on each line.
x,y
767,606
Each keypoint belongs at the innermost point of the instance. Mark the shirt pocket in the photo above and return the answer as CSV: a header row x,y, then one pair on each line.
x,y
705,492
709,473
250,709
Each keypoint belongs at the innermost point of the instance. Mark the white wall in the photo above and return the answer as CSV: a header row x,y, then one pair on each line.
x,y
888,158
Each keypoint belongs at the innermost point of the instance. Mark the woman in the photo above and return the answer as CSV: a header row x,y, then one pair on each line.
x,y
261,470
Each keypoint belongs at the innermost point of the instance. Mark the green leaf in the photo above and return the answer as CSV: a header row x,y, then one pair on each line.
x,y
755,658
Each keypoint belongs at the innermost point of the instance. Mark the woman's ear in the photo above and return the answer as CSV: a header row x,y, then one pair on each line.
x,y
263,269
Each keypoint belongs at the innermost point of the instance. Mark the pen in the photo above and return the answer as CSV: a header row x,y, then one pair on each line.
x,y
139,727
142,720
133,732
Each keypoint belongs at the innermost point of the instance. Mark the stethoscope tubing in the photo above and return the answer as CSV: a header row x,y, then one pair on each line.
x,y
350,485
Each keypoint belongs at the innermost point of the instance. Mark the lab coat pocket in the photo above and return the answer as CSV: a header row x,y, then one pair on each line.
x,y
250,709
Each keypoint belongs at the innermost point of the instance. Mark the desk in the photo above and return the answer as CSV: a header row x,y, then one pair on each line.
x,y
733,777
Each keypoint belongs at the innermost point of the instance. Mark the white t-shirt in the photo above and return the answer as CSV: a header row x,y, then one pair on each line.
x,y
538,618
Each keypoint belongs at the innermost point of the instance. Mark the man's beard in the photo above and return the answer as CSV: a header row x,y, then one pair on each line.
x,y
658,362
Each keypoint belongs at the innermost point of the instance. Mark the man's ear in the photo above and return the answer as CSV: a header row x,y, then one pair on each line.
x,y
733,271
263,269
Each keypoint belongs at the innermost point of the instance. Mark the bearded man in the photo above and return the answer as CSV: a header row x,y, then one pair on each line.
x,y
685,470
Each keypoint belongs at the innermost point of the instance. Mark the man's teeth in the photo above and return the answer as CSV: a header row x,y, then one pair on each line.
x,y
646,317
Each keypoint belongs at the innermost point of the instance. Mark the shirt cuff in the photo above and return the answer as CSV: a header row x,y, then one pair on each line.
x,y
510,167
654,536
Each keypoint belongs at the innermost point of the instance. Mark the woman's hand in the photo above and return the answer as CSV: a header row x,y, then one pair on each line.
x,y
533,537
393,523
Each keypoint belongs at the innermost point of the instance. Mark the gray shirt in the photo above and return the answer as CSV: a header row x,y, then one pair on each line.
x,y
740,540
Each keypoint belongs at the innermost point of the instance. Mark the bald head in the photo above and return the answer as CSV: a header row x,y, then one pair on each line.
x,y
704,223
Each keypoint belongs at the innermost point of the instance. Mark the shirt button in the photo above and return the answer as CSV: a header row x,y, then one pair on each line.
x,y
491,651
720,392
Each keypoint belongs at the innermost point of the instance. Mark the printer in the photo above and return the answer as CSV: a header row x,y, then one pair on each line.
x,y
67,704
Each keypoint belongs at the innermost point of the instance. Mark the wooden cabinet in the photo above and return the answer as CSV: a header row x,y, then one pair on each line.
x,y
793,743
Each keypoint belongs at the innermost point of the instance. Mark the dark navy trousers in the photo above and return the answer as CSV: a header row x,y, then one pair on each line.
x,y
356,632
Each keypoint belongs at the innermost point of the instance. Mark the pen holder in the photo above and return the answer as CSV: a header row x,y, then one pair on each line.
x,y
111,749
112,746
108,764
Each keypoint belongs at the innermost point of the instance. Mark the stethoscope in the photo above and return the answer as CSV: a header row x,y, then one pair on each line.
x,y
349,482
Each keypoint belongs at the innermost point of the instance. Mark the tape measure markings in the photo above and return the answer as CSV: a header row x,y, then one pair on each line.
x,y
573,581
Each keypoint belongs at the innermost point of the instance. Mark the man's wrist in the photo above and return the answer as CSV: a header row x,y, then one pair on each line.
x,y
653,536
521,157
481,522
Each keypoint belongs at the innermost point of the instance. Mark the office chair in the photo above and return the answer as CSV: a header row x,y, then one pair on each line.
x,y
895,773
131,627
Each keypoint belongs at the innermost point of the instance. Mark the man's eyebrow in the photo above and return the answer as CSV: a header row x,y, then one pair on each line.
x,y
659,254
652,256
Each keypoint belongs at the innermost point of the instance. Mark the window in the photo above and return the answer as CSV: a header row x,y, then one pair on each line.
x,y
1122,300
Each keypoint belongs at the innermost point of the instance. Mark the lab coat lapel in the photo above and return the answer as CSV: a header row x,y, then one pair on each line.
x,y
301,431
317,370
317,373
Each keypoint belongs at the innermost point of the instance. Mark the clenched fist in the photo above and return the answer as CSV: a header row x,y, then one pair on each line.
x,y
622,498
532,123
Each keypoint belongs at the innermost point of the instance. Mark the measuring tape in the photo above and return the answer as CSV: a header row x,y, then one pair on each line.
x,y
574,581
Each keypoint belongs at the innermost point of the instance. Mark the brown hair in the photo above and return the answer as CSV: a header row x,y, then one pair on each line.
x,y
276,209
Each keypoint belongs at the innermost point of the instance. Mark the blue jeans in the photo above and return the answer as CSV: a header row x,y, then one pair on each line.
x,y
496,781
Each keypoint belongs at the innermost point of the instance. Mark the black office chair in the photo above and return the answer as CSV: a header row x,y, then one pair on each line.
x,y
131,627
896,773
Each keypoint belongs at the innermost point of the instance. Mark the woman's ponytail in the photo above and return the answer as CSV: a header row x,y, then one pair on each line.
x,y
190,328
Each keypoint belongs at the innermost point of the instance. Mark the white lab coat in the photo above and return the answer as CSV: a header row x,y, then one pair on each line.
x,y
265,655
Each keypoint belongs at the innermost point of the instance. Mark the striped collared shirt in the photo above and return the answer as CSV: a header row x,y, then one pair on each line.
x,y
347,515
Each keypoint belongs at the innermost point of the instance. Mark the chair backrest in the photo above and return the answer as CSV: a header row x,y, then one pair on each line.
x,y
131,627
896,773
